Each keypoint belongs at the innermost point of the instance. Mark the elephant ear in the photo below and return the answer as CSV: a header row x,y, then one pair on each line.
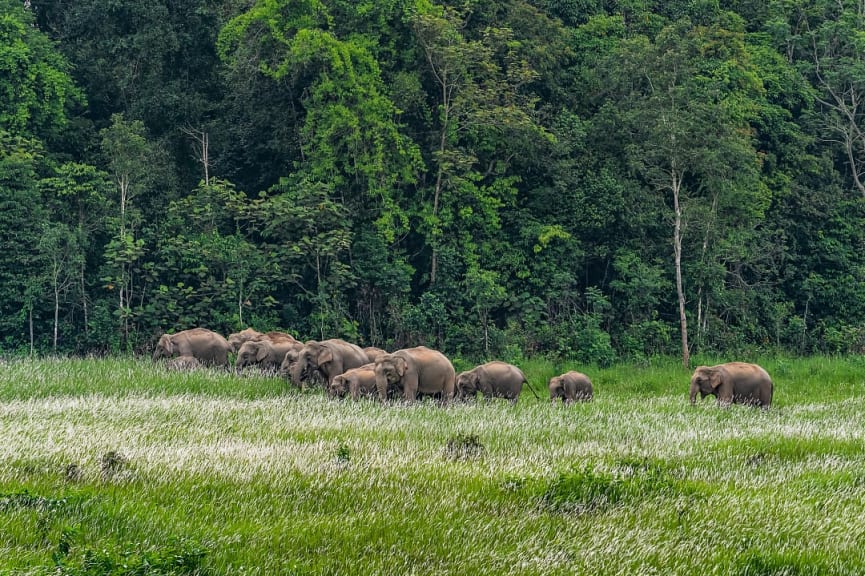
x,y
401,366
167,344
261,351
715,377
325,356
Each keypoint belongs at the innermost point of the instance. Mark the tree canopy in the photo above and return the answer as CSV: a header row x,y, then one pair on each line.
x,y
587,180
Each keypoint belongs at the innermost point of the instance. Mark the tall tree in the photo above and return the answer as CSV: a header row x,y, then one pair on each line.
x,y
825,38
684,119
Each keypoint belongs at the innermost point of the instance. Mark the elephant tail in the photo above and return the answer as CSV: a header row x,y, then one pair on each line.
x,y
532,388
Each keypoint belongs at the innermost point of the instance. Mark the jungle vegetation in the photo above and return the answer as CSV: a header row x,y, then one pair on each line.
x,y
582,179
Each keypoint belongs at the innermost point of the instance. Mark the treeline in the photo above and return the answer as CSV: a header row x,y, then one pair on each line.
x,y
585,179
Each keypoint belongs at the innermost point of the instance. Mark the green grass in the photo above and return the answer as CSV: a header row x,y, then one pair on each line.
x,y
119,467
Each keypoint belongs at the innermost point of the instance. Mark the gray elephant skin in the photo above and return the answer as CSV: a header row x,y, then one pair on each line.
x,y
733,383
205,345
329,358
373,353
414,371
265,353
356,382
238,338
571,386
494,380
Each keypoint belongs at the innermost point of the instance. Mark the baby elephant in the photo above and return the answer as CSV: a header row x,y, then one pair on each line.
x,y
356,382
571,386
493,379
733,382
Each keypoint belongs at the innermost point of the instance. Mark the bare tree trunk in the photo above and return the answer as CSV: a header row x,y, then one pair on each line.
x,y
201,144
84,302
56,314
677,250
32,345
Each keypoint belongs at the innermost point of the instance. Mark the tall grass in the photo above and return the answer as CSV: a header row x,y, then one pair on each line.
x,y
119,467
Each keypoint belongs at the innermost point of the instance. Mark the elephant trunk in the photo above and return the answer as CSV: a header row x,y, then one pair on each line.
x,y
381,385
694,389
298,372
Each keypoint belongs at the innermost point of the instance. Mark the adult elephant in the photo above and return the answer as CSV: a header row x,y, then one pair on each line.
x,y
237,339
373,353
494,380
733,382
205,345
419,370
571,386
329,358
356,382
265,353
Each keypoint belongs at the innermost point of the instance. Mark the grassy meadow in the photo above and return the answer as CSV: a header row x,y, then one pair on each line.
x,y
117,466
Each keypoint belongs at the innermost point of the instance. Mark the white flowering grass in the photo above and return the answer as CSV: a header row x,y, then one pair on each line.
x,y
118,460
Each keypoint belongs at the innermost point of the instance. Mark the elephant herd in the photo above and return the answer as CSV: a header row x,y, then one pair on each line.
x,y
345,369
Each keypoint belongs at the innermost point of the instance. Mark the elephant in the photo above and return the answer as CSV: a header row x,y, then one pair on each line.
x,y
356,382
571,386
238,338
419,370
372,352
733,382
493,379
205,345
183,364
266,353
329,358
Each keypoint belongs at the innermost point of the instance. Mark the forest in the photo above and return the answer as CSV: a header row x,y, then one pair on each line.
x,y
590,180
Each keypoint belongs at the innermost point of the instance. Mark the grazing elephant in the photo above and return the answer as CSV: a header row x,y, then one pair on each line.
x,y
571,386
733,382
266,353
329,358
183,364
373,353
493,379
356,382
208,347
238,338
415,371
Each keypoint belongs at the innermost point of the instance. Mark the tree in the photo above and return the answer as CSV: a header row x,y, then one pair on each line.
x,y
23,218
125,147
826,38
684,114
35,87
60,248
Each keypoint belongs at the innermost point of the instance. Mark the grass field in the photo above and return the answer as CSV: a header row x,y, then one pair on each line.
x,y
118,467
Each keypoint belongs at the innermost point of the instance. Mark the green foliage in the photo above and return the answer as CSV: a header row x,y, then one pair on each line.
x,y
493,179
36,91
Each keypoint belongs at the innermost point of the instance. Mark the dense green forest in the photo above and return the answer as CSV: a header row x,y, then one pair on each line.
x,y
584,179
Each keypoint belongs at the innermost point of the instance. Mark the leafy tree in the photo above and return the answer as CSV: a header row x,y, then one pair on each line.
x,y
23,218
35,87
825,38
685,117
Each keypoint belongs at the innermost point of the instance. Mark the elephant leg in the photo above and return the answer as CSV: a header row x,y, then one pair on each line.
x,y
409,388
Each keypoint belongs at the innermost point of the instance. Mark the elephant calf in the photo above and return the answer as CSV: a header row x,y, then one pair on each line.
x,y
265,353
571,386
356,382
493,379
205,345
415,371
733,383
